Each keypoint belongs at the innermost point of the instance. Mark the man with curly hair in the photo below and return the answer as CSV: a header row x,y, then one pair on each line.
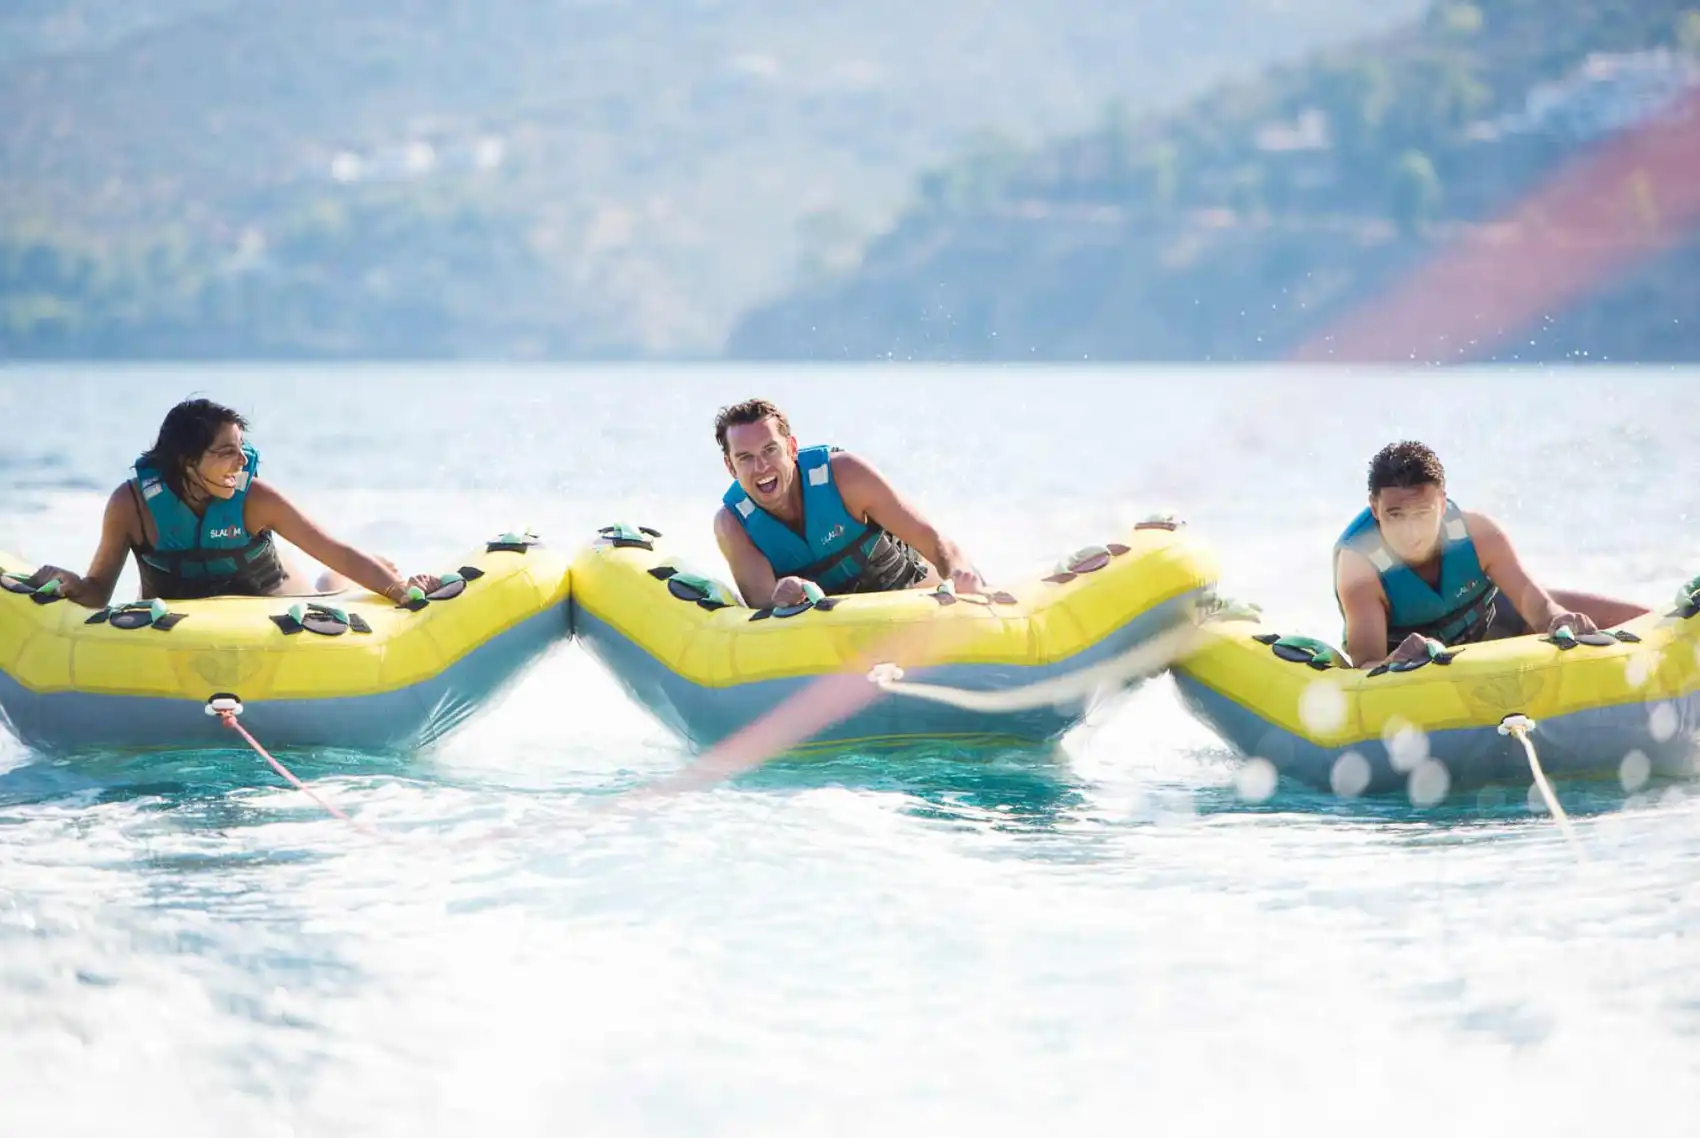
x,y
1414,568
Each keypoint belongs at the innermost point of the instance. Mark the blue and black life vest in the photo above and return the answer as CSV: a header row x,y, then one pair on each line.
x,y
1457,611
834,550
206,555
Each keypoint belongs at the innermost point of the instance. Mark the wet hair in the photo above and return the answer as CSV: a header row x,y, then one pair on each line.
x,y
742,414
1404,465
188,431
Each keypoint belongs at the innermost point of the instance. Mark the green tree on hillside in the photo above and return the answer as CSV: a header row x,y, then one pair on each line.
x,y
1688,32
1439,97
1118,148
1459,21
975,182
1457,96
1162,164
1416,191
1356,97
1246,194
829,242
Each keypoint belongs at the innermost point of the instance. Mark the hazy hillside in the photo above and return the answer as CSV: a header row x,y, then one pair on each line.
x,y
46,27
1246,222
512,177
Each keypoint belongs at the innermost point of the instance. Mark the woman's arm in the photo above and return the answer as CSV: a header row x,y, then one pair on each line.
x,y
117,535
268,509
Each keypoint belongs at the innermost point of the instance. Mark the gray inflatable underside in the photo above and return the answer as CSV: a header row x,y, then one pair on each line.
x,y
703,716
396,721
1582,744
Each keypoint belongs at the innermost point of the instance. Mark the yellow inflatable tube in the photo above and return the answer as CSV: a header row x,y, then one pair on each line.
x,y
1623,703
706,666
350,670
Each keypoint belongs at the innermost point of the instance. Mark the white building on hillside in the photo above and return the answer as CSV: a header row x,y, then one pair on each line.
x,y
1606,93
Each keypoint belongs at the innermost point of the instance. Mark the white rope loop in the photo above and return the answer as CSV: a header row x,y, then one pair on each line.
x,y
1518,727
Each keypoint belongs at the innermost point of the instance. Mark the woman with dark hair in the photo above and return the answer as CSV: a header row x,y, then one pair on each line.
x,y
200,525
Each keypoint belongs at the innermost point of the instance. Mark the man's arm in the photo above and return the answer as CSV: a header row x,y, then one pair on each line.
x,y
868,495
1365,605
1500,562
751,571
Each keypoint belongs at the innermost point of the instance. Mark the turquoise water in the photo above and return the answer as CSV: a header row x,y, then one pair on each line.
x,y
1107,939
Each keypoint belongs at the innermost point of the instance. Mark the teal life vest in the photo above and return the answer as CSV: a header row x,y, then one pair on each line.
x,y
834,550
206,555
1457,611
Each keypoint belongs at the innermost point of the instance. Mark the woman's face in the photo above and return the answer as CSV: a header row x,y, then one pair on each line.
x,y
218,471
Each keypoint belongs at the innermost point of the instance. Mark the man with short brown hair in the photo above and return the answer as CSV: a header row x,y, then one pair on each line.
x,y
818,515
